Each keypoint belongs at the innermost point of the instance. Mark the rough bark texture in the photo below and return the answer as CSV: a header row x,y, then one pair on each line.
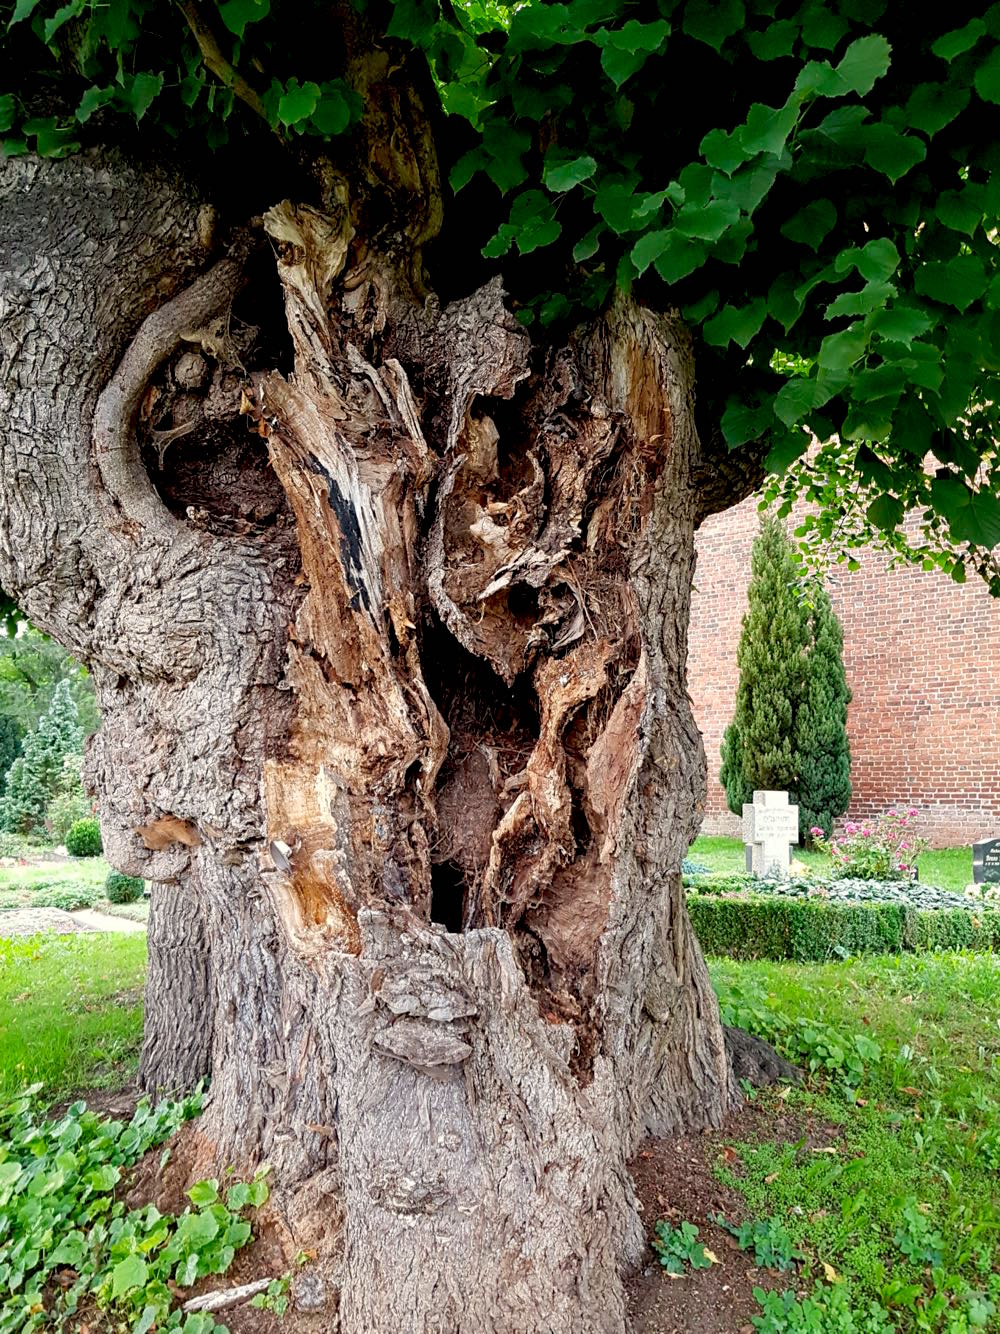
x,y
391,654
180,1011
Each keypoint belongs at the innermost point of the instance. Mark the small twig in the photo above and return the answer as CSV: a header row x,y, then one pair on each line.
x,y
226,1297
216,62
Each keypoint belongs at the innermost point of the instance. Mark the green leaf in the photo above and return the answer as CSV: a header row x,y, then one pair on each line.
x,y
973,516
22,10
870,298
204,1192
959,40
139,93
680,257
811,224
506,146
93,98
899,324
7,112
767,128
795,400
334,111
777,40
61,17
722,150
742,423
932,106
538,233
465,168
649,248
236,14
564,170
892,153
588,246
712,21
237,1197
956,282
962,210
787,447
298,102
865,61
627,49
736,325
987,78
840,350
748,187
707,222
821,27
500,244
132,1272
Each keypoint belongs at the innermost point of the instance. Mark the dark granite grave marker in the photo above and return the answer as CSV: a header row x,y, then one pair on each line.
x,y
986,862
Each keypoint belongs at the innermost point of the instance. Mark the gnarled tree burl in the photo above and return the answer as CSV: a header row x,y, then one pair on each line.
x,y
389,634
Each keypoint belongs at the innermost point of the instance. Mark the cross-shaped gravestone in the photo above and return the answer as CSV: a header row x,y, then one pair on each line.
x,y
770,825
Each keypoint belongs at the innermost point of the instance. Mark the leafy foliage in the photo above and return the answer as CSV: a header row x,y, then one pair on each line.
x,y
84,839
827,227
68,895
678,1247
59,1216
768,1238
120,888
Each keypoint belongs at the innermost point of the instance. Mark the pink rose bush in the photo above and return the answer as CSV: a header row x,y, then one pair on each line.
x,y
885,848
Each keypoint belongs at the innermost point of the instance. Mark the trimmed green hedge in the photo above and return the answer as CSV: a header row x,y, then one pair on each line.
x,y
760,927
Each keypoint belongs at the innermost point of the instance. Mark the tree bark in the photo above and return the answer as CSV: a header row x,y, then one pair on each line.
x,y
391,657
180,1010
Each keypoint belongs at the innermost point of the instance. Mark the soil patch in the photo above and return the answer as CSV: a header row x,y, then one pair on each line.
x,y
674,1180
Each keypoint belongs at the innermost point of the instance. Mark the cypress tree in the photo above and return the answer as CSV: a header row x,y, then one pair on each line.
x,y
824,788
758,748
789,727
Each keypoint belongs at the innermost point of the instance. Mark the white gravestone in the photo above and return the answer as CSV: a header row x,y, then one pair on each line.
x,y
770,825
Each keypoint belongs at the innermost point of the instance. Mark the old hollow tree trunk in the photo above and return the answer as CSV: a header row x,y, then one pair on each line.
x,y
387,613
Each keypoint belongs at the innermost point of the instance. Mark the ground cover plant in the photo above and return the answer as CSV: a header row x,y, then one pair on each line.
x,y
69,1248
897,1217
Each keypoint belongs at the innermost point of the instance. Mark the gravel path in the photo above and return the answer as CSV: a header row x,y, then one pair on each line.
x,y
33,921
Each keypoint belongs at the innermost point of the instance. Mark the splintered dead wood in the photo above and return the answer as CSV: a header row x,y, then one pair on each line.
x,y
511,535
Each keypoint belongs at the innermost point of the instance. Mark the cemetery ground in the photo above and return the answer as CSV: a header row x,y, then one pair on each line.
x,y
865,1200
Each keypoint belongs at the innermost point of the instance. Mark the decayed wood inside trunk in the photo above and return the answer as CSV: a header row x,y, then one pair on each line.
x,y
389,635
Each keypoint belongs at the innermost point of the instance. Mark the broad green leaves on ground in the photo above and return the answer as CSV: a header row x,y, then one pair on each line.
x,y
66,1241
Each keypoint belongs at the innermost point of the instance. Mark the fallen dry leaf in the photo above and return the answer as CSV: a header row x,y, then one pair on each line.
x,y
772,1176
730,1155
827,1148
831,1274
711,1255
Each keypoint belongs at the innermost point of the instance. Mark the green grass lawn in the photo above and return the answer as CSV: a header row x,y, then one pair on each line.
x,y
70,1011
901,1200
948,868
89,870
906,1210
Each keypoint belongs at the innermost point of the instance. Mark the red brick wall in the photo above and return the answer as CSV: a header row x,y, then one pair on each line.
x,y
923,661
